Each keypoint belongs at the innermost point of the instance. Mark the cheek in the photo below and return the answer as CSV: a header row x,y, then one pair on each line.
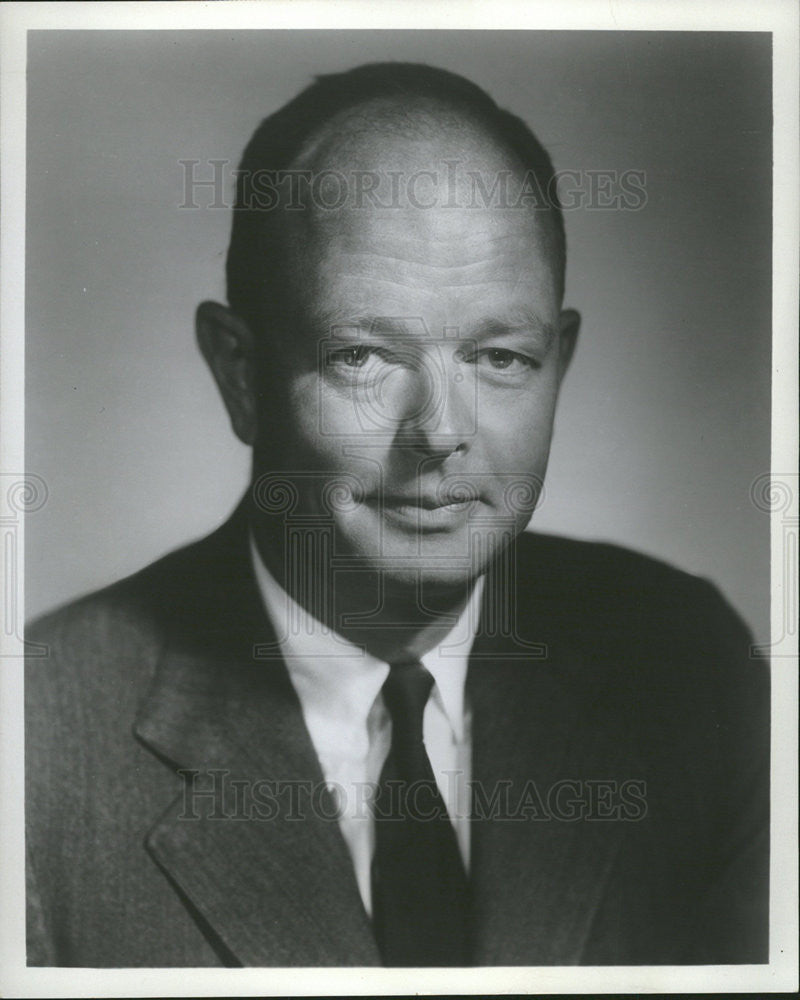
x,y
328,436
290,432
322,410
518,425
514,447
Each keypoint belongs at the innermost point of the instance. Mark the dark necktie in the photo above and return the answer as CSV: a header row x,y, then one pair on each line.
x,y
419,887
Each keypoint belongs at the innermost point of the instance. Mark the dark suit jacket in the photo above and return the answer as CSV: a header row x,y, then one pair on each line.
x,y
592,664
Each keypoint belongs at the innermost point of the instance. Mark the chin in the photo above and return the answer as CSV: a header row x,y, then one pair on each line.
x,y
429,578
435,564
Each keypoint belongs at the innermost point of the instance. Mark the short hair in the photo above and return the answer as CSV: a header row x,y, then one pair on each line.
x,y
255,254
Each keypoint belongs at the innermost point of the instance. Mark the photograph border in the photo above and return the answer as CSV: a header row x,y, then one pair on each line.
x,y
775,16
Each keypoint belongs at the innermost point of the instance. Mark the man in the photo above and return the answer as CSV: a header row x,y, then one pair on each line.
x,y
370,721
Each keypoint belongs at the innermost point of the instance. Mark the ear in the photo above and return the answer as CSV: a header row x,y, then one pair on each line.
x,y
569,322
228,346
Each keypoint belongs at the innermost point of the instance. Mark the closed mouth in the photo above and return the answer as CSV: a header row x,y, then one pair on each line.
x,y
454,501
428,512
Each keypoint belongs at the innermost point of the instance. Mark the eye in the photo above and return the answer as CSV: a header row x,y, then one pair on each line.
x,y
350,357
499,359
372,359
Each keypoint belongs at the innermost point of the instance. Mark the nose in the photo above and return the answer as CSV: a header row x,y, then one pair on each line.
x,y
438,416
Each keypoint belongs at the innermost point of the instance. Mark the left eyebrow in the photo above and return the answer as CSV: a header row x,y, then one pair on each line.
x,y
523,322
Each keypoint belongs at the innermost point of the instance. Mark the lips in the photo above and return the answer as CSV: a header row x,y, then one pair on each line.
x,y
430,511
432,501
428,503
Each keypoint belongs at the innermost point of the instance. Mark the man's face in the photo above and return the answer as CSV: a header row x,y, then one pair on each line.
x,y
415,406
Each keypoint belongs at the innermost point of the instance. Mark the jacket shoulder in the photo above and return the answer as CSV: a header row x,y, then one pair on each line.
x,y
96,655
140,604
588,561
123,615
634,615
601,578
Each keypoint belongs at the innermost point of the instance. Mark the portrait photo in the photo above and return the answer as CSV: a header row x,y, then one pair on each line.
x,y
400,500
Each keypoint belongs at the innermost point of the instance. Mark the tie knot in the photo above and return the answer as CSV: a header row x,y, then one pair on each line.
x,y
405,694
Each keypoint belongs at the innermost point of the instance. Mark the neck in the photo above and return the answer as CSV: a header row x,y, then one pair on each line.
x,y
393,620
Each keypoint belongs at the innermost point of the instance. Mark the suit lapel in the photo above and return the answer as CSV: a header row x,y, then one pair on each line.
x,y
538,737
260,862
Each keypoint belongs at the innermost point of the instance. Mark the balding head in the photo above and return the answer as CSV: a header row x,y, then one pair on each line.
x,y
379,138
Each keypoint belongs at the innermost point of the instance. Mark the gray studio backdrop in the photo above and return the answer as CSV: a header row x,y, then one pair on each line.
x,y
664,420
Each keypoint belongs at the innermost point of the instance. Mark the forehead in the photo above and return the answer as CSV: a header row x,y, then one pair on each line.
x,y
434,264
433,235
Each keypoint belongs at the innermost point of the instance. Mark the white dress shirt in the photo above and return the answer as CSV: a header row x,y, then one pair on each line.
x,y
339,687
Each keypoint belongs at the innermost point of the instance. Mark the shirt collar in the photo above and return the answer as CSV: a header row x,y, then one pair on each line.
x,y
338,681
448,661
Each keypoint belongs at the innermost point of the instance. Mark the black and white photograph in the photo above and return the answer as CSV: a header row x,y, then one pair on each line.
x,y
400,523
